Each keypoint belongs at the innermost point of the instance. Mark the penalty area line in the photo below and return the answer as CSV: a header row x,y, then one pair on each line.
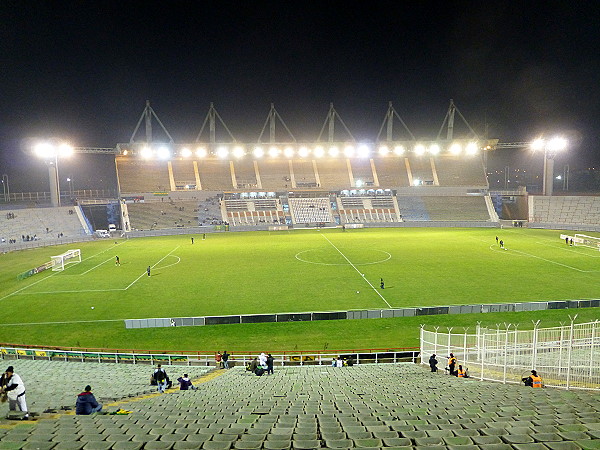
x,y
354,267
152,267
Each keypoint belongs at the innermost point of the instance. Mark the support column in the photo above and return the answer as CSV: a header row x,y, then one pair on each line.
x,y
257,174
197,176
350,174
548,175
232,171
375,177
292,176
408,172
53,176
317,178
171,178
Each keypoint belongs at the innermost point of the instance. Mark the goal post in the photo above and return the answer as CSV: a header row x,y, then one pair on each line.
x,y
69,257
583,240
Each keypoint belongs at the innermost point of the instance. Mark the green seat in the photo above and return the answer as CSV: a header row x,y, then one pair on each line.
x,y
366,443
457,440
338,443
517,439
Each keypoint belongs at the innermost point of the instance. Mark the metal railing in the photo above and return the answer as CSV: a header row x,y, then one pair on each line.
x,y
285,358
566,357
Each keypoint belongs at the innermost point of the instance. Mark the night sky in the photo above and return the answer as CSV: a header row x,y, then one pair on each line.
x,y
82,71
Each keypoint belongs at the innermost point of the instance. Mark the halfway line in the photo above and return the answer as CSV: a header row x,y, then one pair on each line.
x,y
363,277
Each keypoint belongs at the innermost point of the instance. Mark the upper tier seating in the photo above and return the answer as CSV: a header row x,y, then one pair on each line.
x,y
568,210
362,172
183,174
157,215
304,174
137,176
312,407
245,175
333,173
420,168
44,223
460,171
391,172
274,174
215,175
310,210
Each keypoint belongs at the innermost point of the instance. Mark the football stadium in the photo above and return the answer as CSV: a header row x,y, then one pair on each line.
x,y
350,262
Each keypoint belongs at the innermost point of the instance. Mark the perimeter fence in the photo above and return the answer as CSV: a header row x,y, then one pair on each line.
x,y
566,357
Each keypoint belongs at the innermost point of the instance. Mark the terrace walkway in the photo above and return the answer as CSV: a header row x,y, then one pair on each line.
x,y
365,406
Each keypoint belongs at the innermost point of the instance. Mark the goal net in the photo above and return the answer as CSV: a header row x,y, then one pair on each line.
x,y
586,241
60,261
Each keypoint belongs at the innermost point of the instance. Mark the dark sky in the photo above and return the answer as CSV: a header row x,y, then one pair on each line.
x,y
83,70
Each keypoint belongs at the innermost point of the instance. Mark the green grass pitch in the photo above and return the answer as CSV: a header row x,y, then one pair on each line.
x,y
297,271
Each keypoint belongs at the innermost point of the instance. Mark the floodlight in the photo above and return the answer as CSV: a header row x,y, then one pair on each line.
x,y
44,150
419,149
303,152
258,152
146,153
65,150
538,144
163,153
201,152
384,150
455,148
222,152
334,151
273,152
288,152
359,183
349,151
471,148
434,149
125,152
238,152
399,150
364,150
186,152
318,152
417,182
557,144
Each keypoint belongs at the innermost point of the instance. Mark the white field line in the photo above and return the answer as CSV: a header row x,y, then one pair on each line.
x,y
59,323
555,244
97,265
55,273
76,291
354,267
152,267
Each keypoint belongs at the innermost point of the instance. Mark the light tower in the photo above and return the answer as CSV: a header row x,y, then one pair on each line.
x,y
551,147
50,152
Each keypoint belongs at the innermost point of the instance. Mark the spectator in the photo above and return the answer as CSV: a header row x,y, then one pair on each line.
x,y
270,361
219,360
15,391
185,383
161,378
225,358
433,363
253,365
533,380
452,363
86,403
262,358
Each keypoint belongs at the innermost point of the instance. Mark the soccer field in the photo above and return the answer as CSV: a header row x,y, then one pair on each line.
x,y
296,271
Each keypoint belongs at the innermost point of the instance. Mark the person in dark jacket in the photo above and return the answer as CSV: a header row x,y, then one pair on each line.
x,y
185,383
433,363
86,403
270,361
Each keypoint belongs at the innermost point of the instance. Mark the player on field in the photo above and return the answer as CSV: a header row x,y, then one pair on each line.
x,y
501,243
117,261
382,284
148,270
192,239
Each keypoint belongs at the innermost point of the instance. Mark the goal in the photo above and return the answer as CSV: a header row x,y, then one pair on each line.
x,y
586,241
69,257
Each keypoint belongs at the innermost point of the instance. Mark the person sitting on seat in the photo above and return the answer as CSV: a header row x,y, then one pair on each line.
x,y
185,383
86,403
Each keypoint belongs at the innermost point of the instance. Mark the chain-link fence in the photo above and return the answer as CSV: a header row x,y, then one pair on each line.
x,y
566,357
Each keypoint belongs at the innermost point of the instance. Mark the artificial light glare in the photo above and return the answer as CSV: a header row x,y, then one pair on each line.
x,y
319,151
186,152
44,150
288,152
455,148
65,150
333,152
419,149
557,144
349,151
399,150
363,151
238,152
222,152
201,152
163,153
303,152
434,149
146,153
258,152
273,152
384,150
471,148
537,144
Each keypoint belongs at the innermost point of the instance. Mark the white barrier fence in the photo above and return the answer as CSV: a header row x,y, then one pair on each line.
x,y
566,357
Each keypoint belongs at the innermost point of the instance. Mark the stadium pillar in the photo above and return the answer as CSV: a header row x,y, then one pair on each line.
x,y
54,182
548,182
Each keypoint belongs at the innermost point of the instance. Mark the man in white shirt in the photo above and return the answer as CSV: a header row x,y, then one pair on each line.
x,y
15,390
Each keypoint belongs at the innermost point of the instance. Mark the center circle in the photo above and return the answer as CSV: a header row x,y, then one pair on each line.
x,y
324,257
